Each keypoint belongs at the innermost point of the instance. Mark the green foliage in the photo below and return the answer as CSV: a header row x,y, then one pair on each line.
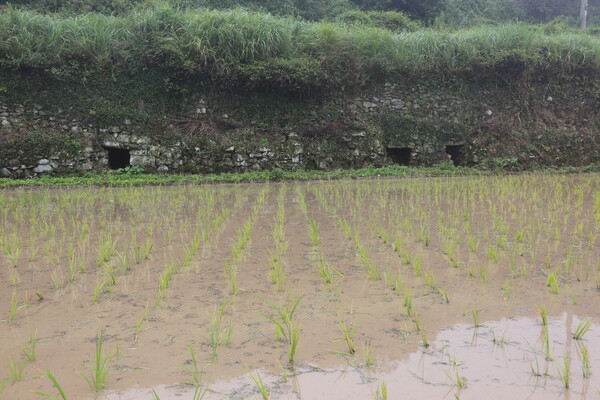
x,y
295,75
467,13
36,143
390,20
130,170
186,49
402,129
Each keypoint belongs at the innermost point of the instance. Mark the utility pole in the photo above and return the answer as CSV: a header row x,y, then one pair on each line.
x,y
583,10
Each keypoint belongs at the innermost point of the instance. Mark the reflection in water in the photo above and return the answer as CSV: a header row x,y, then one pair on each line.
x,y
513,358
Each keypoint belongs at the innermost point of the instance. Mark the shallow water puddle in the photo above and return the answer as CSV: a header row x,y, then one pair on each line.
x,y
505,359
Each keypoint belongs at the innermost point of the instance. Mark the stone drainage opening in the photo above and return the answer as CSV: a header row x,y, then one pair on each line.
x,y
399,155
117,158
456,154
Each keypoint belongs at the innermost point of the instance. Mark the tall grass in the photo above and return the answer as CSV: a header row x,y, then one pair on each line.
x,y
217,43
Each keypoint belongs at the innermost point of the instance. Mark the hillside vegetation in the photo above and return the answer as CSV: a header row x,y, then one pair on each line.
x,y
244,49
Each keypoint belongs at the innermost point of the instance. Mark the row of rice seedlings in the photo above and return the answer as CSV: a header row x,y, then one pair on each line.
x,y
502,227
275,259
326,271
395,281
77,228
190,249
243,235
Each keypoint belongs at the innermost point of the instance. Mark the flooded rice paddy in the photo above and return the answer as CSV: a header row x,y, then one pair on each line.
x,y
437,288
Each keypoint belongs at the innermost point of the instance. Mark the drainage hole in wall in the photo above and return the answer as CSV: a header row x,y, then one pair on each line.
x,y
117,158
399,155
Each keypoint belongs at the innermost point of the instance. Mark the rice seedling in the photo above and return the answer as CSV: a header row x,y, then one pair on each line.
x,y
199,393
218,337
444,295
546,342
381,393
473,243
499,340
14,253
408,302
582,328
16,369
348,335
459,381
56,385
471,271
373,272
146,249
106,249
314,232
101,367
14,277
506,290
98,290
193,369
417,267
493,254
543,315
343,223
29,351
58,279
109,274
264,392
537,371
276,272
430,280
14,307
475,315
72,265
294,341
585,361
285,325
140,321
552,282
424,236
564,371
418,326
406,258
424,340
368,355
233,281
327,272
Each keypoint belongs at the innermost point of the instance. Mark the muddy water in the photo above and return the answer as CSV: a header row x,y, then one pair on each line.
x,y
450,247
496,361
